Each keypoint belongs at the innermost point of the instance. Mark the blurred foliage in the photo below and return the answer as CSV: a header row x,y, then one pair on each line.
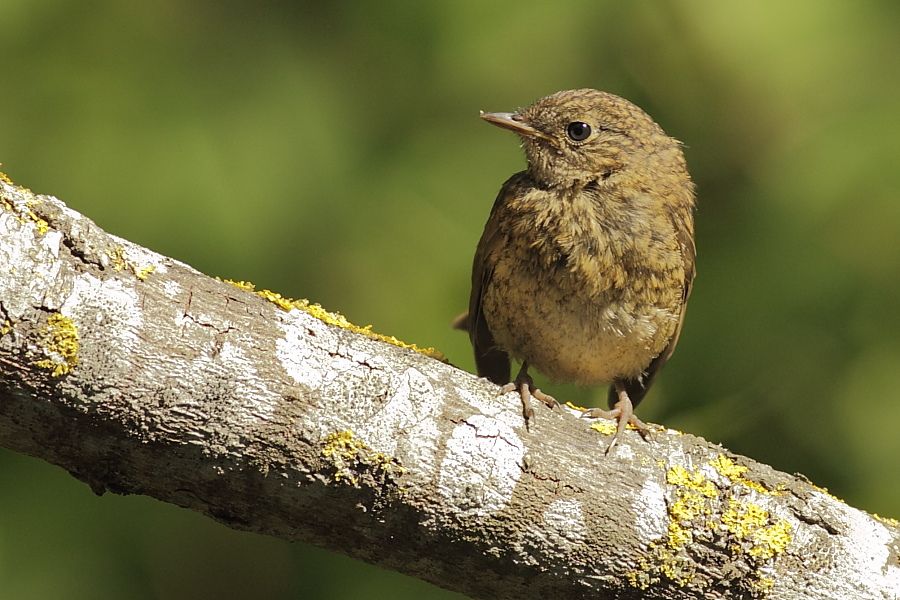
x,y
333,151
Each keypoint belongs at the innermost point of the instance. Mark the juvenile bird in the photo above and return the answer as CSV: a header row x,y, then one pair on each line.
x,y
587,259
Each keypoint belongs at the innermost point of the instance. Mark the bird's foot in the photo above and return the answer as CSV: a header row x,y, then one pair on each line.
x,y
623,414
525,385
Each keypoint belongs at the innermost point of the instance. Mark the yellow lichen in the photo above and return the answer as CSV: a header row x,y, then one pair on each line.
x,y
686,480
640,578
6,327
40,224
350,457
608,426
244,285
700,513
276,299
678,569
60,342
604,426
728,468
5,179
886,520
692,499
144,272
679,537
742,519
24,214
763,585
117,255
332,318
772,540
735,473
749,521
119,262
576,407
825,491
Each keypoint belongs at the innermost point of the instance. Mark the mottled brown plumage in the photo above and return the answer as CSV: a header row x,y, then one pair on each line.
x,y
586,261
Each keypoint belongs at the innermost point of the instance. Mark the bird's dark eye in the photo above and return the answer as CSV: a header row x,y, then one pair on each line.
x,y
578,131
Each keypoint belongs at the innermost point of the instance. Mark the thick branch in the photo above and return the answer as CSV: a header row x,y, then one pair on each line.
x,y
140,375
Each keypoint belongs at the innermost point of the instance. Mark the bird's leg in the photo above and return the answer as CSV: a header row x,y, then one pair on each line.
x,y
622,413
525,384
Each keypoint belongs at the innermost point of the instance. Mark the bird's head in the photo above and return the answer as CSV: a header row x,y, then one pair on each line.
x,y
576,137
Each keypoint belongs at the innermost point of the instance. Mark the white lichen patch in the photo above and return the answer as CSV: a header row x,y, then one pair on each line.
x,y
51,241
649,509
20,203
111,305
867,548
481,466
406,424
29,268
253,398
141,261
72,215
85,311
172,289
295,350
506,409
389,412
564,522
303,335
341,364
623,452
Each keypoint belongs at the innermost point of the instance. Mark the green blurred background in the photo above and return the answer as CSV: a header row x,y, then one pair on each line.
x,y
333,151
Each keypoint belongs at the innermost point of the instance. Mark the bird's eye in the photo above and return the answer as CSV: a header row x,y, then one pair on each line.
x,y
578,131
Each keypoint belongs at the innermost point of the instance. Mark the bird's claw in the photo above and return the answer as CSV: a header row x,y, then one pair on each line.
x,y
525,386
623,414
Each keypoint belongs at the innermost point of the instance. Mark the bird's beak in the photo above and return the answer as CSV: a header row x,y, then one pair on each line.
x,y
513,122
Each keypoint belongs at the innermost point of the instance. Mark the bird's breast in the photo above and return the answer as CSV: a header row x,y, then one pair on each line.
x,y
582,300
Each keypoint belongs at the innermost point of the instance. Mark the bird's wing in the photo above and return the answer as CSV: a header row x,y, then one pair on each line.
x,y
492,362
637,388
685,232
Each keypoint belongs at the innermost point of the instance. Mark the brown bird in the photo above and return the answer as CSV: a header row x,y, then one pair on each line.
x,y
586,262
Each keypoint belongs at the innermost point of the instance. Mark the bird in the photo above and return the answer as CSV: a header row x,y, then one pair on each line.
x,y
587,259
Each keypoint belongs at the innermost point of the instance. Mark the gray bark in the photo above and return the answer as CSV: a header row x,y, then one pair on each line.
x,y
140,375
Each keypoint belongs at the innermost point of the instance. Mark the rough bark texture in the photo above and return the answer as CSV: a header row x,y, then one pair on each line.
x,y
140,375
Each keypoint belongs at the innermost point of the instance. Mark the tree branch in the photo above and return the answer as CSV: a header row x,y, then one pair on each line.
x,y
140,375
